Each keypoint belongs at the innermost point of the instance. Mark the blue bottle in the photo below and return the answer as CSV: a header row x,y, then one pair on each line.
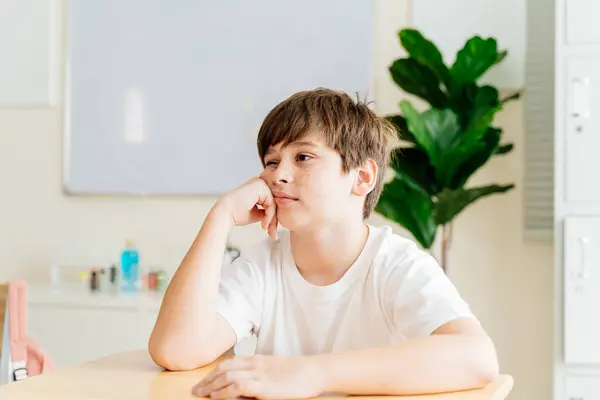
x,y
130,268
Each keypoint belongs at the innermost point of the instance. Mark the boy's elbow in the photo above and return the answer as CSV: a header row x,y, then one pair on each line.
x,y
174,358
488,369
488,373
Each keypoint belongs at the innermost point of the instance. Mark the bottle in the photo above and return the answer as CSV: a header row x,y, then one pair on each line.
x,y
94,281
113,284
130,268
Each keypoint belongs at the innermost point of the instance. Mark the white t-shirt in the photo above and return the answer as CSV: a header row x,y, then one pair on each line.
x,y
392,292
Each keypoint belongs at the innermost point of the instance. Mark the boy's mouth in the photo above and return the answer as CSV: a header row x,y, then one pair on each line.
x,y
283,198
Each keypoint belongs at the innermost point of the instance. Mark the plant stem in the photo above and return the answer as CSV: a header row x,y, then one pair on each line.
x,y
446,241
513,96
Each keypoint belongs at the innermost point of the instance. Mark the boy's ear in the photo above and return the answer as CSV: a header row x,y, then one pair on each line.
x,y
366,177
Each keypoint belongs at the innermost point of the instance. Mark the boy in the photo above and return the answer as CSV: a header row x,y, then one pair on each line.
x,y
337,305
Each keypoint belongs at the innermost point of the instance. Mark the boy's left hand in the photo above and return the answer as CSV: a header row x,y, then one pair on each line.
x,y
262,377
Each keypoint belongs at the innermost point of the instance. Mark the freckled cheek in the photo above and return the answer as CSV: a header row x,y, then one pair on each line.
x,y
306,188
317,190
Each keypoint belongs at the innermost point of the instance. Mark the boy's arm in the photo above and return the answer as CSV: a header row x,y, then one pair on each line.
x,y
457,356
188,332
444,347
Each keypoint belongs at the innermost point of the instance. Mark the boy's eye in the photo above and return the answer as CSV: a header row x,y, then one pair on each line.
x,y
303,157
271,162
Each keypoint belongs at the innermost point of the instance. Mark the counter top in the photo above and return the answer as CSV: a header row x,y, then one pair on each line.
x,y
81,296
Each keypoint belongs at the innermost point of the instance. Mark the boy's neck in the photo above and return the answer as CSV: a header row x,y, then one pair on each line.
x,y
324,256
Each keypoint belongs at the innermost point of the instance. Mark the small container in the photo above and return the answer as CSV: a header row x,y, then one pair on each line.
x,y
130,268
153,280
162,280
94,281
112,279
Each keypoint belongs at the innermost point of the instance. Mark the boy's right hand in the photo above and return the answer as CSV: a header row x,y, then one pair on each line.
x,y
243,203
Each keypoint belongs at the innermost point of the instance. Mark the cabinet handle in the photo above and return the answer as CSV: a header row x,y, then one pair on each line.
x,y
581,103
576,398
583,271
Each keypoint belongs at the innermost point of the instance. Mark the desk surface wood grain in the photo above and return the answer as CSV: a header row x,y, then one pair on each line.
x,y
133,376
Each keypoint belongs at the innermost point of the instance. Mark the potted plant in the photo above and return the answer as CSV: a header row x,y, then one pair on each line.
x,y
443,145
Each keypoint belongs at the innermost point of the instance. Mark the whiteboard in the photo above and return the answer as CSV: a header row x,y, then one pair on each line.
x,y
166,97
448,25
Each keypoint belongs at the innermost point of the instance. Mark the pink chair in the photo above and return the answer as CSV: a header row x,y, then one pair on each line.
x,y
26,357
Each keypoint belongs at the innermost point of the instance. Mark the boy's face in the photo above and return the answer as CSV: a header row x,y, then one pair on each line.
x,y
309,185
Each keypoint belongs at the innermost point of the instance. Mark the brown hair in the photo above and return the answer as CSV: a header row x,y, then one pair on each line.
x,y
349,127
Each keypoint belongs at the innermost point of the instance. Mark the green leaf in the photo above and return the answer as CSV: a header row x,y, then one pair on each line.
x,y
410,208
472,101
454,158
451,202
416,125
471,151
504,149
426,53
480,123
462,101
501,56
417,79
489,144
486,97
401,128
412,165
447,146
435,130
443,128
475,58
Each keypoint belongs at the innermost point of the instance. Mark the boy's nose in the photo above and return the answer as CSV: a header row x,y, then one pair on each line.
x,y
282,174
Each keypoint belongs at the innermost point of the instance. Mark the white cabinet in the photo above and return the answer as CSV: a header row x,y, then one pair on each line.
x,y
582,388
72,334
582,130
581,21
76,326
582,294
576,355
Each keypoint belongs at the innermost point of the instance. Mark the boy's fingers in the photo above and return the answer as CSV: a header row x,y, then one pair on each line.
x,y
256,214
266,201
225,367
222,381
273,227
269,215
240,388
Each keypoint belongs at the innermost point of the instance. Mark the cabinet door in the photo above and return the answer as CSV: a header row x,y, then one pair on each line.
x,y
582,290
73,335
582,388
582,131
582,21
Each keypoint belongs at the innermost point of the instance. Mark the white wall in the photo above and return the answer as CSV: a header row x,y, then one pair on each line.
x,y
447,24
508,282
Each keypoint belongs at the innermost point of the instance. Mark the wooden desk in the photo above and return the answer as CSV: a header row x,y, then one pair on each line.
x,y
133,376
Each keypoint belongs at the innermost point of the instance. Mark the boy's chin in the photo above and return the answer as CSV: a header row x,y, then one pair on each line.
x,y
292,221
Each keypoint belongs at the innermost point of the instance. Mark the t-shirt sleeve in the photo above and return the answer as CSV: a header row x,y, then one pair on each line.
x,y
240,296
420,297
